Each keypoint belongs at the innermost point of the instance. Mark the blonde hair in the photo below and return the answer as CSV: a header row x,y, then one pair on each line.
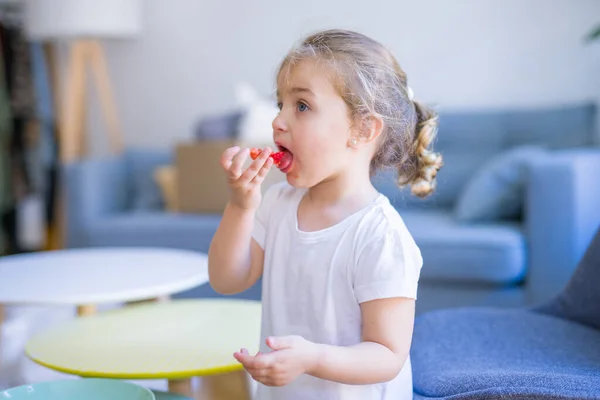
x,y
371,82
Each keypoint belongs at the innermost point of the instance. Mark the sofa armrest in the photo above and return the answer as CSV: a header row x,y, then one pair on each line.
x,y
92,189
562,214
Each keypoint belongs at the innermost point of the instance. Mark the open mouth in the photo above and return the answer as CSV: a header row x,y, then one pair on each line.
x,y
286,160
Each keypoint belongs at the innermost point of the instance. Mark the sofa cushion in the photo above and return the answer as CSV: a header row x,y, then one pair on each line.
x,y
493,353
141,164
490,253
161,229
497,190
547,126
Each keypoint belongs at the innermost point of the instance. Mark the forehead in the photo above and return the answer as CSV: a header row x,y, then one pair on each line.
x,y
306,74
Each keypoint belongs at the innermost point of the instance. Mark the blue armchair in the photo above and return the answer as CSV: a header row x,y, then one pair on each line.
x,y
546,352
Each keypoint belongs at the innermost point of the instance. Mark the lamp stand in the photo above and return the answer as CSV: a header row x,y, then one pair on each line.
x,y
71,106
73,140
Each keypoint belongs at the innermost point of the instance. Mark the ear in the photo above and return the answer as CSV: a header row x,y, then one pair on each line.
x,y
373,127
370,128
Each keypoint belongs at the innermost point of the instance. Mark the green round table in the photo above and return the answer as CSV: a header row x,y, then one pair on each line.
x,y
175,340
75,389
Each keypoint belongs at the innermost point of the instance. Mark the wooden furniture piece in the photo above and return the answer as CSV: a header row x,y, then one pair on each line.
x,y
176,340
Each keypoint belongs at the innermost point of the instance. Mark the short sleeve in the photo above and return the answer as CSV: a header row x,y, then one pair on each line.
x,y
263,213
388,267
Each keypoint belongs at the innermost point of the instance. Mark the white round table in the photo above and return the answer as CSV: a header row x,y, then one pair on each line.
x,y
91,276
94,276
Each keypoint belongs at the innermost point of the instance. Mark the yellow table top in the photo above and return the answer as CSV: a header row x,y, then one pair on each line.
x,y
173,340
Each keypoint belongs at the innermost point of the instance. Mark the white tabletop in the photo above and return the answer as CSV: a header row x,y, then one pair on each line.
x,y
99,275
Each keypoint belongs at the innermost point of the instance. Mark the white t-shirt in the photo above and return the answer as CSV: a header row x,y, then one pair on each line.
x,y
314,282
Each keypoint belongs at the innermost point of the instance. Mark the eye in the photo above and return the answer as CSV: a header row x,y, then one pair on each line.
x,y
302,107
279,105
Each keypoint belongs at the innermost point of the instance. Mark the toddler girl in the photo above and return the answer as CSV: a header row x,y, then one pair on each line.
x,y
339,268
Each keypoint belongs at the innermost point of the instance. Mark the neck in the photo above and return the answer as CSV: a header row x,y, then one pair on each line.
x,y
348,186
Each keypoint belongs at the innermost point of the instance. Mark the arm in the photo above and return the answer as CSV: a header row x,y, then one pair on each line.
x,y
562,213
235,260
387,335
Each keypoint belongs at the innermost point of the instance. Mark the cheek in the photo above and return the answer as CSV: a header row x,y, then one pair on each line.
x,y
320,141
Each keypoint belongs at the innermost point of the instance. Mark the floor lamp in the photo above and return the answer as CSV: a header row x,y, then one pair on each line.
x,y
83,25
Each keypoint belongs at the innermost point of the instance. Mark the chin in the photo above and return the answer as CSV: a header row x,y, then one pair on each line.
x,y
300,182
293,181
296,181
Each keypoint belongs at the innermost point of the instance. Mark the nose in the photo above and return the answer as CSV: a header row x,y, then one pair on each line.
x,y
279,124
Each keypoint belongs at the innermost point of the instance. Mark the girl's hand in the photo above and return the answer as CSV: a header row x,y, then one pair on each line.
x,y
245,185
291,356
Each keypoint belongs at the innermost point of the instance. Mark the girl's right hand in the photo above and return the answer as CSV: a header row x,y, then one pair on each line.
x,y
245,185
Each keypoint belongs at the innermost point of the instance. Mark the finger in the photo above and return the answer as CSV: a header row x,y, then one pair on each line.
x,y
256,165
227,157
245,359
281,342
260,177
235,171
247,364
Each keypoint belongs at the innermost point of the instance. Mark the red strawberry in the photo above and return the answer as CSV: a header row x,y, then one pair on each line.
x,y
277,157
254,153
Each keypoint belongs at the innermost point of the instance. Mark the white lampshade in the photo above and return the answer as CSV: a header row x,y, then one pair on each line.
x,y
80,19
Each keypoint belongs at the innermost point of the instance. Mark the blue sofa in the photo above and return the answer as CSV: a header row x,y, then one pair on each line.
x,y
505,262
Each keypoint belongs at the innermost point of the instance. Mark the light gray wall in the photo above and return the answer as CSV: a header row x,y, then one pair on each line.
x,y
459,54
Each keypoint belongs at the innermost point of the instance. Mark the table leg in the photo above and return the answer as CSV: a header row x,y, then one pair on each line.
x,y
85,310
181,386
234,385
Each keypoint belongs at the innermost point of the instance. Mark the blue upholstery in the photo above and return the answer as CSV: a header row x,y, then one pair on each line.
x,y
93,189
562,215
491,253
546,352
141,164
472,352
497,191
155,228
580,300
